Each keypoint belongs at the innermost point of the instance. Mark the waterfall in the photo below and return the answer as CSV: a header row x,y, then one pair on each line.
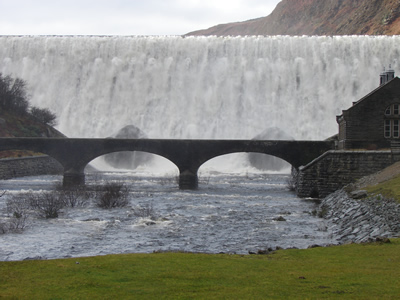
x,y
198,87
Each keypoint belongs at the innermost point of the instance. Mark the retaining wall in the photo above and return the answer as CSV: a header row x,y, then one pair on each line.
x,y
335,169
29,166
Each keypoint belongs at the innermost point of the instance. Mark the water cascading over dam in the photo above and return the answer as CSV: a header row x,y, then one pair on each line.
x,y
198,87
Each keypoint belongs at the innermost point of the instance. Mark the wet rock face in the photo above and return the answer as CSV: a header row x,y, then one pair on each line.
x,y
128,159
361,220
267,162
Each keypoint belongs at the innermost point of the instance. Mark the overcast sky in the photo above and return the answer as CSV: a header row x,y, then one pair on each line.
x,y
124,17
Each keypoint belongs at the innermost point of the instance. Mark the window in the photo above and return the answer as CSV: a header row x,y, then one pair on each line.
x,y
395,128
387,129
392,121
396,109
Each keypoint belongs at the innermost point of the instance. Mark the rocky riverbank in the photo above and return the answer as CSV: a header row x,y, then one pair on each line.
x,y
360,220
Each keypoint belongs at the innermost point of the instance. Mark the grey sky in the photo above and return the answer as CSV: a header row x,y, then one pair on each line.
x,y
124,17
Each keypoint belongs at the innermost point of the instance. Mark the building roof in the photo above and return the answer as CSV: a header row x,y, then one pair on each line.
x,y
396,80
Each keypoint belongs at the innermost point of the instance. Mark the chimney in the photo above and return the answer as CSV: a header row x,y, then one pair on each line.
x,y
386,76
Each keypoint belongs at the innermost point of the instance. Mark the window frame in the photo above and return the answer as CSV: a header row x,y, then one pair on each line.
x,y
388,129
391,126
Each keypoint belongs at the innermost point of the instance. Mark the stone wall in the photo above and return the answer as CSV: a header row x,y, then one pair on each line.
x,y
362,220
335,169
29,166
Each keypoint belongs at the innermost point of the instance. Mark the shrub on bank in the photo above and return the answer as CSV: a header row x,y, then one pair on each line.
x,y
47,204
18,211
112,195
74,196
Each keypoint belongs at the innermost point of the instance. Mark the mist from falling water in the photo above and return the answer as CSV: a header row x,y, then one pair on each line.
x,y
198,87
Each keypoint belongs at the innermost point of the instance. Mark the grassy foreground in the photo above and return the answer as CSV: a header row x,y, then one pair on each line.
x,y
370,271
389,188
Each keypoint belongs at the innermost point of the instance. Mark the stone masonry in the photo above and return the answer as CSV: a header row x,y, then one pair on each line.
x,y
29,166
335,169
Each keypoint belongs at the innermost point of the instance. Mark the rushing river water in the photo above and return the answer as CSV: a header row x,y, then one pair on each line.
x,y
231,213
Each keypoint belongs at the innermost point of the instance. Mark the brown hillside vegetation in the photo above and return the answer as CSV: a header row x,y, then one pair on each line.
x,y
319,17
13,125
384,175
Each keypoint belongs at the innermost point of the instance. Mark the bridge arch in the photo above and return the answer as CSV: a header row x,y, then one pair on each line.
x,y
152,156
240,155
265,155
132,160
76,175
144,163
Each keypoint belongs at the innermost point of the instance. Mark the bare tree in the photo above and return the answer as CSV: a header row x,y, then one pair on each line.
x,y
13,95
44,115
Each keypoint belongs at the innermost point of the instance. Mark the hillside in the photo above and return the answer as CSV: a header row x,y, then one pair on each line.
x,y
14,125
385,182
319,17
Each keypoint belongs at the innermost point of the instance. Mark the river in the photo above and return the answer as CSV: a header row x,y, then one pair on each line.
x,y
230,213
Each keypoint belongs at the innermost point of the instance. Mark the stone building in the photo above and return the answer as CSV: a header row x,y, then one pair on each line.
x,y
373,122
368,141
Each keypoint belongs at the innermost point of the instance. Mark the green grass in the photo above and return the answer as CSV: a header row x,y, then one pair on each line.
x,y
389,188
352,271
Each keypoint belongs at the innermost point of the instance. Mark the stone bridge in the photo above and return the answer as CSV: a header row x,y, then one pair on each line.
x,y
188,155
